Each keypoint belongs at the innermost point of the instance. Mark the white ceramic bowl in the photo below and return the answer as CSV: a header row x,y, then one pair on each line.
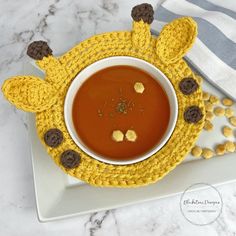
x,y
114,61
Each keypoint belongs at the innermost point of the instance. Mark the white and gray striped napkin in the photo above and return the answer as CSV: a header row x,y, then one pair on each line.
x,y
214,53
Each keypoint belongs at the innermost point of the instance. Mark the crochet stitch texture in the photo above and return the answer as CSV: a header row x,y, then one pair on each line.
x,y
46,97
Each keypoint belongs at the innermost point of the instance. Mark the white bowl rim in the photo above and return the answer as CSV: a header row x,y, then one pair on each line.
x,y
108,63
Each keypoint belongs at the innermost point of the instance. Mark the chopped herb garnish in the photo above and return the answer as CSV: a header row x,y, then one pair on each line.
x,y
122,107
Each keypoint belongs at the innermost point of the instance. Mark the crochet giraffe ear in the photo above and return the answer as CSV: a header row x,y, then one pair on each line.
x,y
29,93
176,39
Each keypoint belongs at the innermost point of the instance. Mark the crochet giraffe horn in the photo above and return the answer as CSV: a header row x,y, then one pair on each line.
x,y
143,16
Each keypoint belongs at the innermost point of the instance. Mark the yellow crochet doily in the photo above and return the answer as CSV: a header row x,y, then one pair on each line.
x,y
46,98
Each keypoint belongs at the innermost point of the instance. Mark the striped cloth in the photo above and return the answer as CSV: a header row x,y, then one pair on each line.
x,y
214,53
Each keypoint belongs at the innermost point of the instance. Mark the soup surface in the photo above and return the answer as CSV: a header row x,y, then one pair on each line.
x,y
107,101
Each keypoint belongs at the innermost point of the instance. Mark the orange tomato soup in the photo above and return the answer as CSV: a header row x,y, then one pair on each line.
x,y
96,112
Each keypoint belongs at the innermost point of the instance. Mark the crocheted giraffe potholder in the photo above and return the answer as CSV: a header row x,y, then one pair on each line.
x,y
46,97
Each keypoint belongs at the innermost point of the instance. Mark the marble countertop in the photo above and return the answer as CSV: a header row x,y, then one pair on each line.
x,y
63,23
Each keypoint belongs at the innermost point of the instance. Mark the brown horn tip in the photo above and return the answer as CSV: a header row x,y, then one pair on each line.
x,y
38,50
143,12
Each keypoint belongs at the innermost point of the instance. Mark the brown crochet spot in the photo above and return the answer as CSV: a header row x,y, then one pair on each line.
x,y
39,49
53,137
70,159
143,12
188,86
193,114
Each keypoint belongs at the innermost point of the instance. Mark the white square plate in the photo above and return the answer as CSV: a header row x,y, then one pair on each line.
x,y
59,196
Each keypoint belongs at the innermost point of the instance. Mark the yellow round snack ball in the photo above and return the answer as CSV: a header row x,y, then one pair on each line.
x,y
139,87
196,151
208,106
219,111
229,146
206,96
208,125
131,135
227,131
227,102
117,136
207,153
209,115
220,149
214,100
233,120
229,112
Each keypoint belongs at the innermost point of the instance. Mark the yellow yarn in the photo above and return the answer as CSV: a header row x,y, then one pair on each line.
x,y
178,37
46,98
142,41
29,93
